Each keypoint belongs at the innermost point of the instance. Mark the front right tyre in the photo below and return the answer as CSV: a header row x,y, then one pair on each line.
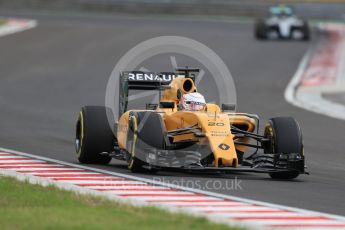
x,y
146,130
260,29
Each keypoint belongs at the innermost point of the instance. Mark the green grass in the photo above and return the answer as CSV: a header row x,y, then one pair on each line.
x,y
2,21
26,206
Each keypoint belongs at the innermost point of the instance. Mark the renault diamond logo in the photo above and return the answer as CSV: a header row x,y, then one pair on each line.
x,y
224,146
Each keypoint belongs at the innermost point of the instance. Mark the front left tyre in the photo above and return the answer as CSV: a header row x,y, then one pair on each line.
x,y
94,135
286,139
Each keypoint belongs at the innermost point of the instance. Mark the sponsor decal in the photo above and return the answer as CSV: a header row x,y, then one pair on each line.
x,y
151,77
218,135
122,128
224,146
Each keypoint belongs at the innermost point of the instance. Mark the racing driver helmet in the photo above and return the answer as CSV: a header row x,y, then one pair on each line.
x,y
192,102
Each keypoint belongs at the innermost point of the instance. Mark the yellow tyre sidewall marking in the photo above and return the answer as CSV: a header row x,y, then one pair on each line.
x,y
81,134
271,134
135,136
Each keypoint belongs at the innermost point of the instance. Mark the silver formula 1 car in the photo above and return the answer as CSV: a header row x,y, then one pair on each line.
x,y
282,23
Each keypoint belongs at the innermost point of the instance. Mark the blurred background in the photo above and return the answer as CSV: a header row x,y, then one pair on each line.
x,y
319,9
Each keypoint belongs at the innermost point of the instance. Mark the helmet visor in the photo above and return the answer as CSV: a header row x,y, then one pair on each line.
x,y
194,106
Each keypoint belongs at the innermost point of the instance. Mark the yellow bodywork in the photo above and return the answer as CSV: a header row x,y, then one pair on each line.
x,y
214,123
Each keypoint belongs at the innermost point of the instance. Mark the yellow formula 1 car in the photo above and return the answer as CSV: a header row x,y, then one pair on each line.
x,y
163,136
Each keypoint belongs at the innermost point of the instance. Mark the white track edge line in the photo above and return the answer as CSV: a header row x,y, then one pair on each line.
x,y
290,91
8,29
324,107
217,195
125,200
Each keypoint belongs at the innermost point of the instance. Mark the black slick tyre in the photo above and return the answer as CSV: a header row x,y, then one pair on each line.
x,y
305,31
260,30
146,130
94,135
286,137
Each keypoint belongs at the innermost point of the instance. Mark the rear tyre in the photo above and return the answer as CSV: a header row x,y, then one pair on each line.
x,y
94,135
286,137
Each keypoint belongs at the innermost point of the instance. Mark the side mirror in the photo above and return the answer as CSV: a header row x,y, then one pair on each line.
x,y
228,107
167,105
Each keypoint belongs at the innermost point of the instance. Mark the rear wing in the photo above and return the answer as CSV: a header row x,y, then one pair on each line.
x,y
140,80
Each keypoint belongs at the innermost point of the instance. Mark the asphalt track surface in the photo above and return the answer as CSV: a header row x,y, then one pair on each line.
x,y
48,73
